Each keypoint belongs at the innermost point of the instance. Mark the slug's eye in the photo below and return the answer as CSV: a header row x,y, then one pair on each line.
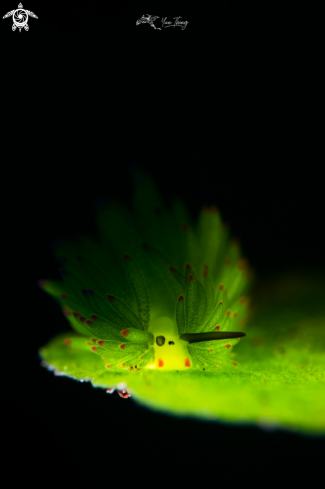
x,y
160,340
171,343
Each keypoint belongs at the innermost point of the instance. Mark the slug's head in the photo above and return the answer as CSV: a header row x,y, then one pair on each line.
x,y
171,351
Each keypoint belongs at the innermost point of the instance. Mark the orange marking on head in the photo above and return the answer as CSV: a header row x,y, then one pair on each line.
x,y
67,342
124,332
101,342
94,348
217,327
122,346
160,362
187,362
227,345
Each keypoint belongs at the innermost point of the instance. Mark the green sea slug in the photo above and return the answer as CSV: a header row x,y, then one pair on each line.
x,y
152,291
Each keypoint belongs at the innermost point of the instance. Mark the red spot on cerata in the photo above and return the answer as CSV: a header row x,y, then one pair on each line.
x,y
226,261
127,257
94,348
191,277
181,298
235,314
228,345
94,317
228,313
172,269
187,362
213,209
82,319
210,349
67,342
160,362
76,314
108,366
100,342
64,296
187,266
235,242
122,346
242,300
220,287
123,364
205,273
88,322
184,226
217,327
235,363
88,343
66,311
221,303
141,357
93,340
241,265
110,298
124,332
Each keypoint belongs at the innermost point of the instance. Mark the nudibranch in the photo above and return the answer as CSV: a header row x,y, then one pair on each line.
x,y
154,290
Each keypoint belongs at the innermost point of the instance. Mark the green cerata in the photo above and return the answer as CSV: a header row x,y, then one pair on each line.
x,y
154,290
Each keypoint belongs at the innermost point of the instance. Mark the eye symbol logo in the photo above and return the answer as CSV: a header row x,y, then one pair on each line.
x,y
20,18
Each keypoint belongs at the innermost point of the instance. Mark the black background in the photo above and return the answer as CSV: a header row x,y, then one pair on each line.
x,y
225,112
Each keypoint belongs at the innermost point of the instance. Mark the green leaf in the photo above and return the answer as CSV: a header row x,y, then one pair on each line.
x,y
279,379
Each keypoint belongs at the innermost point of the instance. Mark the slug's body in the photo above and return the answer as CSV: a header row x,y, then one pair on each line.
x,y
173,303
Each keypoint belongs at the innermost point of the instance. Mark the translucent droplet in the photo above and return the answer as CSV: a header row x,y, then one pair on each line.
x,y
124,393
